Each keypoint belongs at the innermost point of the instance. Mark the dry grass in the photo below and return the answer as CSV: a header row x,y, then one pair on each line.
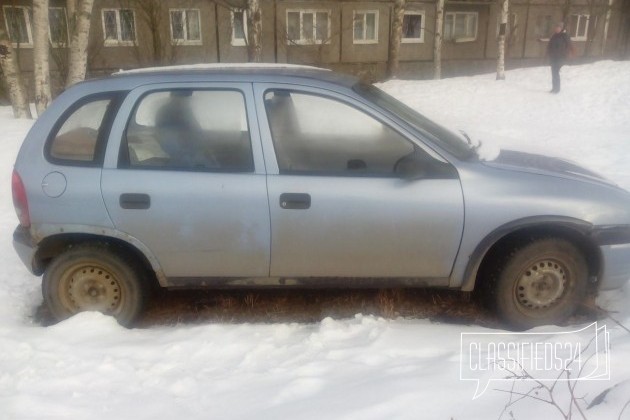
x,y
306,306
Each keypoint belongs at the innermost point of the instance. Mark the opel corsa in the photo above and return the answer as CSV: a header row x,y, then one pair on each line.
x,y
292,176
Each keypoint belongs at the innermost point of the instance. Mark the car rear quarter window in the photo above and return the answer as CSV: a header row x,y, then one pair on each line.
x,y
78,138
185,129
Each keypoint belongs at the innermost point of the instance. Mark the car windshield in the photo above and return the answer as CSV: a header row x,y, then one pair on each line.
x,y
445,138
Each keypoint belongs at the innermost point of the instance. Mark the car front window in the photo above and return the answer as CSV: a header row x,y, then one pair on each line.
x,y
317,135
443,137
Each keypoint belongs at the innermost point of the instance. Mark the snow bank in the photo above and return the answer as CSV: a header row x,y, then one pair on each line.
x,y
587,122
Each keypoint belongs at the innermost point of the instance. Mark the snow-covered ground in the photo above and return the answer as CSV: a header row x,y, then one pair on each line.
x,y
360,368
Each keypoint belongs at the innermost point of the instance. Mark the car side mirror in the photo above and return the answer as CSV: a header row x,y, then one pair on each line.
x,y
419,165
411,167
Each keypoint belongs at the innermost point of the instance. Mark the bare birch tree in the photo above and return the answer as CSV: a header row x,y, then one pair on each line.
x,y
79,13
13,78
606,25
596,8
393,61
254,31
152,14
501,39
41,66
153,17
437,41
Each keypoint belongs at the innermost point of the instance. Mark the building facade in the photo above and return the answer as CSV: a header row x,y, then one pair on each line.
x,y
345,35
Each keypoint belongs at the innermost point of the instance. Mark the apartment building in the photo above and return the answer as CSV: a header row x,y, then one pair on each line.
x,y
347,35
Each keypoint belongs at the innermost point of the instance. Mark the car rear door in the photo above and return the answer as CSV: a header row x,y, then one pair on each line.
x,y
184,175
337,207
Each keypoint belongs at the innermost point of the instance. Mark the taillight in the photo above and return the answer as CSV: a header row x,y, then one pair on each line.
x,y
20,202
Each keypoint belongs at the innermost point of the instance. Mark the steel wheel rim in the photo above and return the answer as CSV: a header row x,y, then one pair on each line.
x,y
541,285
90,287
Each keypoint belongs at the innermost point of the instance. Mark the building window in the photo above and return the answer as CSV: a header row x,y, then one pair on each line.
x,y
185,26
58,25
579,27
365,27
18,24
460,26
413,29
239,28
119,26
308,27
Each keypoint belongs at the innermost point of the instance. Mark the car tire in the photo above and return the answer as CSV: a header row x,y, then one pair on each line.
x,y
540,282
94,277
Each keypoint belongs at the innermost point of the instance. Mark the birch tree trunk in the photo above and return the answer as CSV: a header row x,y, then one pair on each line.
x,y
13,78
80,12
437,41
41,67
254,32
394,39
606,25
501,41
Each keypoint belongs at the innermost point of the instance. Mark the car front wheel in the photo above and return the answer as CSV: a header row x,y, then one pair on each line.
x,y
93,277
540,282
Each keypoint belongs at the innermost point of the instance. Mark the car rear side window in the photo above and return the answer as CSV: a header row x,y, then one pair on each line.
x,y
189,130
76,142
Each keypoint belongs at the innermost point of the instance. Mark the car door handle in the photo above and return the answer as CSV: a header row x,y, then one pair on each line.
x,y
133,201
295,201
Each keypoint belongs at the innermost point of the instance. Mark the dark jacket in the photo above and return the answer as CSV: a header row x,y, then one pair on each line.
x,y
559,46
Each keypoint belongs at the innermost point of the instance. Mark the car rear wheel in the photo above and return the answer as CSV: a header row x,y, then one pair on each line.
x,y
93,277
540,282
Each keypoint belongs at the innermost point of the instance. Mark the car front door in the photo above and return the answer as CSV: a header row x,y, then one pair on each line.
x,y
188,180
339,206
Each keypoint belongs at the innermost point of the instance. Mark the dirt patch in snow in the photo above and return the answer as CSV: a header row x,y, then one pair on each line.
x,y
172,307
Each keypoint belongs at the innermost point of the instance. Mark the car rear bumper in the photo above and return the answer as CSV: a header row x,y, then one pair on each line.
x,y
25,247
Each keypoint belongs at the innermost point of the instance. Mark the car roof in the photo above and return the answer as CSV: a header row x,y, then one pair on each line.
x,y
225,72
219,67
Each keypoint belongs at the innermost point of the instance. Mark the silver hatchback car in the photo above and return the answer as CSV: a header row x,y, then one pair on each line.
x,y
293,176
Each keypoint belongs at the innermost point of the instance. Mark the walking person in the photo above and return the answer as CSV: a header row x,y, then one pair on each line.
x,y
558,50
